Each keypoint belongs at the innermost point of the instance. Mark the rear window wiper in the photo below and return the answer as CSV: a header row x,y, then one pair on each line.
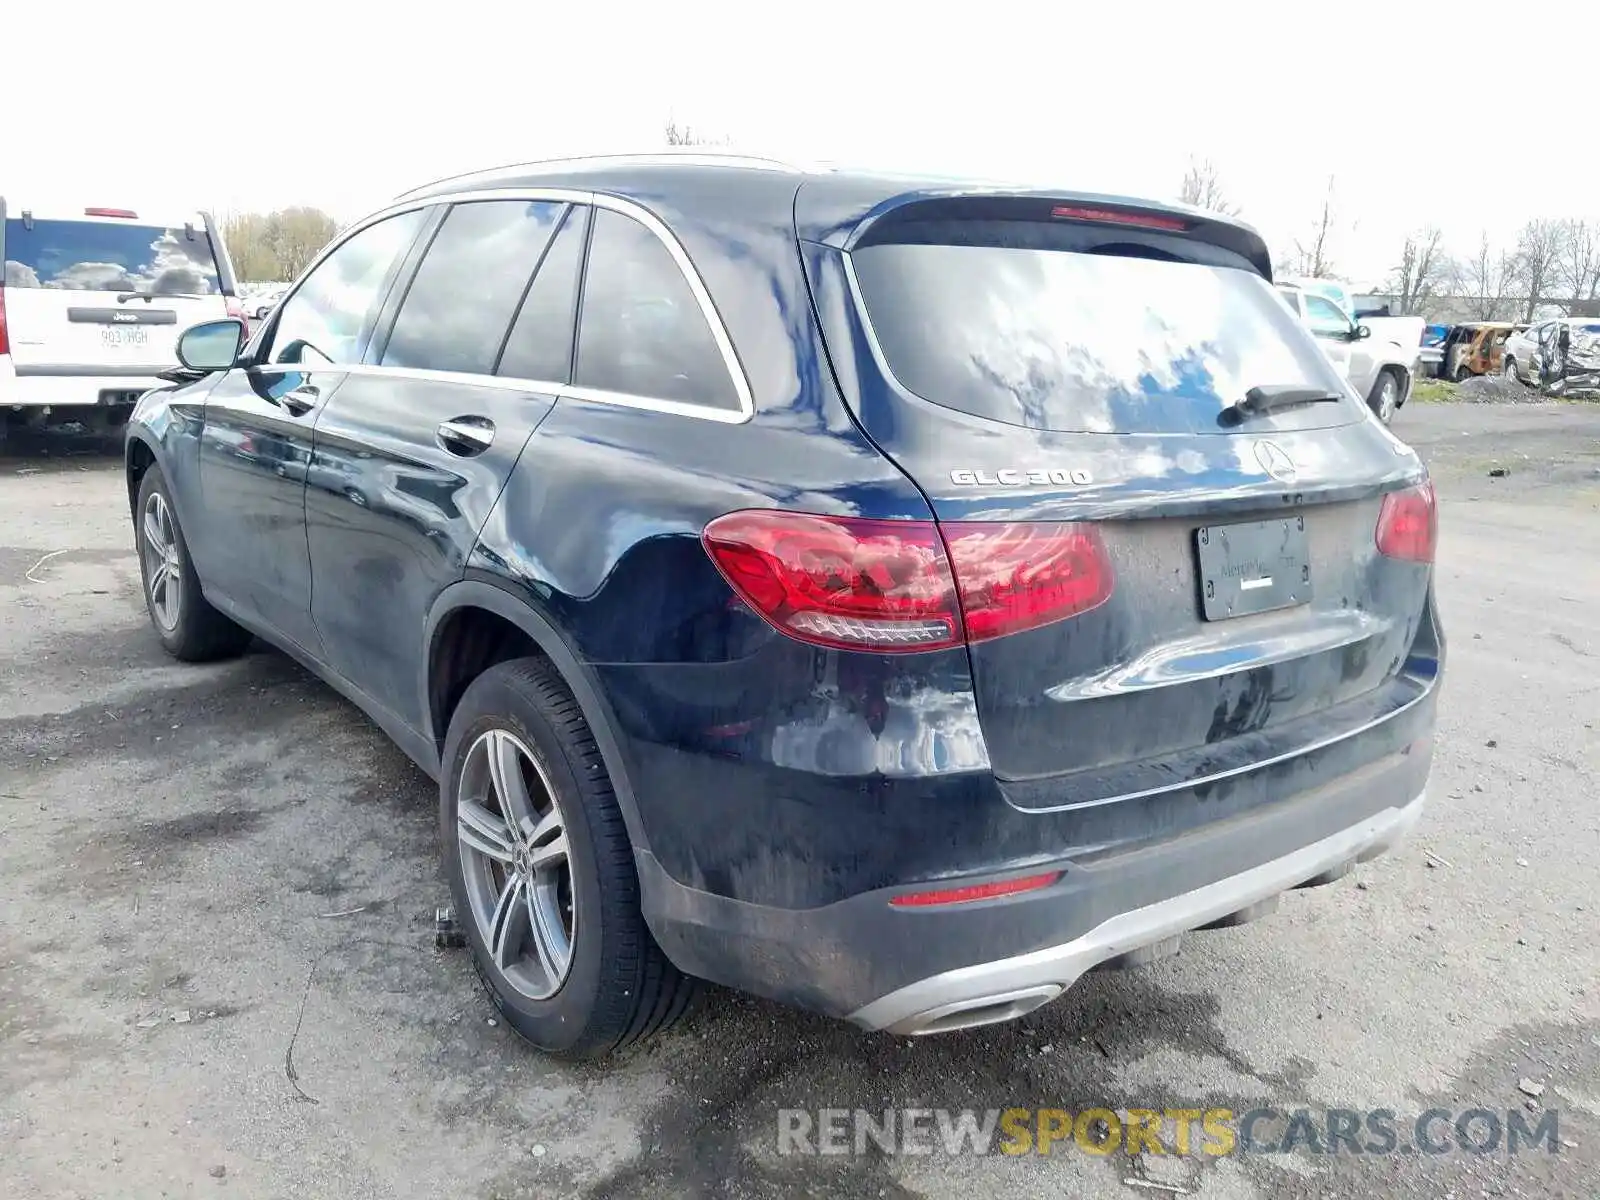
x,y
147,297
1273,396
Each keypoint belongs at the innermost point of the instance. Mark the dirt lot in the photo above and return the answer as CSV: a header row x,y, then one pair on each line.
x,y
206,867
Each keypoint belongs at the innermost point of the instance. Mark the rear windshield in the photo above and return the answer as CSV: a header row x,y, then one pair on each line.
x,y
1091,342
107,256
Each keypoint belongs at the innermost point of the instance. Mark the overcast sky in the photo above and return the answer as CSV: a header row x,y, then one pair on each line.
x,y
342,105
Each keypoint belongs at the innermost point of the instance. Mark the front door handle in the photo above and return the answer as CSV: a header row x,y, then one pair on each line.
x,y
466,435
301,400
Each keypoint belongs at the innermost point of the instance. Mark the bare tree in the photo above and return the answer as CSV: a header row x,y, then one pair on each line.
x,y
1424,270
297,235
1203,188
1489,278
1578,260
1313,254
1538,253
276,245
682,135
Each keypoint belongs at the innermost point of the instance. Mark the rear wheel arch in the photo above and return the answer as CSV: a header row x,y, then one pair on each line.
x,y
474,626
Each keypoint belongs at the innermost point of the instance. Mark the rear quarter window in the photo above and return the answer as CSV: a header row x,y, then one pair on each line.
x,y
1098,342
110,256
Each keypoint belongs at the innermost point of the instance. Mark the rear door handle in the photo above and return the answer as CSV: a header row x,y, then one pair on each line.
x,y
301,400
466,435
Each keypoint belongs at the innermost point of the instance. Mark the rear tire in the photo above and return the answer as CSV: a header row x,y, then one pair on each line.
x,y
1510,369
188,626
580,975
1385,397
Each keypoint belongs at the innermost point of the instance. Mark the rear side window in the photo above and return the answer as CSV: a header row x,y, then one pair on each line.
x,y
540,345
642,331
323,321
1087,341
110,256
460,304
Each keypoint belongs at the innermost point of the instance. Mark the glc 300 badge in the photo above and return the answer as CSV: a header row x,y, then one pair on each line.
x,y
1036,478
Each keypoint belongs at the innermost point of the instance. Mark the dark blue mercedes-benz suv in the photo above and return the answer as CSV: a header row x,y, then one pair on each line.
x,y
891,597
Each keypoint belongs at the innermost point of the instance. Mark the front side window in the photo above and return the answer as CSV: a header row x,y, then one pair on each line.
x,y
460,304
642,332
1325,318
110,256
322,322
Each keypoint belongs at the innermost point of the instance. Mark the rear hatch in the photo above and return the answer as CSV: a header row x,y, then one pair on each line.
x,y
106,291
1059,381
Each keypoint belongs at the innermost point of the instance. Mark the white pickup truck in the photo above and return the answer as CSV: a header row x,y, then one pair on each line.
x,y
1378,355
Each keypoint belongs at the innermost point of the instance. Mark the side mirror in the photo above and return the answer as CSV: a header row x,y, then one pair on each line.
x,y
1360,333
211,345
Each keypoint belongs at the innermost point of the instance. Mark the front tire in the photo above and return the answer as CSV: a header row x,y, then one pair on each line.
x,y
1511,370
1385,398
541,870
188,626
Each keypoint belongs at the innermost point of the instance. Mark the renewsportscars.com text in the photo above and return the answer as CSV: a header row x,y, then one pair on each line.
x,y
1208,1132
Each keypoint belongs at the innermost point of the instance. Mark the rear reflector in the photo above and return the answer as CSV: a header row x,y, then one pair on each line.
x,y
125,213
1408,524
976,891
1112,216
5,335
906,586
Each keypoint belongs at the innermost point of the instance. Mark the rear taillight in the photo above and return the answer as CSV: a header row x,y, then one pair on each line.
x,y
236,311
5,336
1016,576
125,214
1408,524
840,581
904,586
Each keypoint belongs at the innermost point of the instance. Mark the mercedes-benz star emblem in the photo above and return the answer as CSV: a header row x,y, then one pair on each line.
x,y
1275,462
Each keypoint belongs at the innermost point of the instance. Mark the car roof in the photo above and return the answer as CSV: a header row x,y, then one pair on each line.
x,y
825,204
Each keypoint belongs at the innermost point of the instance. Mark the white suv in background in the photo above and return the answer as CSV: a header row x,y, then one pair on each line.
x,y
93,300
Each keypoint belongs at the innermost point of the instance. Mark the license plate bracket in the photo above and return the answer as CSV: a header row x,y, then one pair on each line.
x,y
1253,567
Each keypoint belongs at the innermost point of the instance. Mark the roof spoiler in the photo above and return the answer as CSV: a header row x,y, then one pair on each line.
x,y
1180,221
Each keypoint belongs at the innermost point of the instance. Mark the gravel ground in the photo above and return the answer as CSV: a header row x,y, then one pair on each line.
x,y
217,971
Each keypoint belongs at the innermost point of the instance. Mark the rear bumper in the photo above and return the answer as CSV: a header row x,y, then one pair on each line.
x,y
999,989
72,387
929,969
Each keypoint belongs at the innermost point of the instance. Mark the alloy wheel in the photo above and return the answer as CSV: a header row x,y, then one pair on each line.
x,y
163,566
513,845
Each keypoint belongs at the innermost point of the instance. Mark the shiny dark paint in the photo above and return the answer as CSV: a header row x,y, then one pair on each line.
x,y
753,770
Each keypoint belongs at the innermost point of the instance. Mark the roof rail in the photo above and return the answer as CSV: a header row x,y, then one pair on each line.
x,y
689,155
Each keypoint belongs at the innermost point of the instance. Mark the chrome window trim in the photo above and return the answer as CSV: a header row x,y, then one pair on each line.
x,y
617,204
693,157
512,383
